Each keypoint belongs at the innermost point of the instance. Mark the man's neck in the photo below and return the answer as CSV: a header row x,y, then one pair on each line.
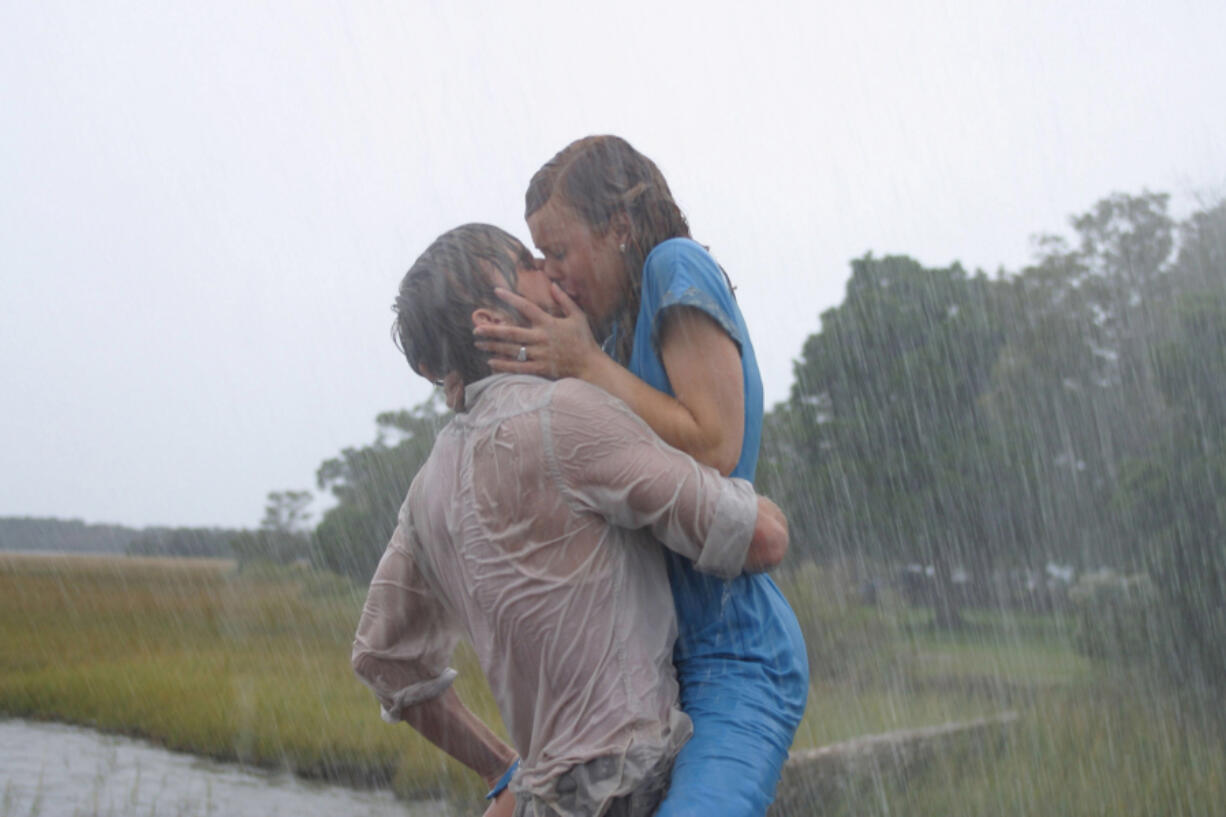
x,y
453,391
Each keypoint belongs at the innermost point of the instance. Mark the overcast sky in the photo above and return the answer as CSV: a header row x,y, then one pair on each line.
x,y
205,208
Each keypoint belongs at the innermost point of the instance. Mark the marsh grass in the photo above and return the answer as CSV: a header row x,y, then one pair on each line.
x,y
1094,738
249,666
1111,752
253,666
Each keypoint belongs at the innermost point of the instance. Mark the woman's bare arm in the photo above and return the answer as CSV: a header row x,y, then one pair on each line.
x,y
706,418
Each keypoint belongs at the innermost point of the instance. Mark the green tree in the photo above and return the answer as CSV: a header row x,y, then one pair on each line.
x,y
286,511
883,426
1175,499
189,542
63,535
1201,264
1074,392
950,420
370,484
282,536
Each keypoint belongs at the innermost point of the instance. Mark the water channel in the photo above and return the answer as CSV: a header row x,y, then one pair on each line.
x,y
54,770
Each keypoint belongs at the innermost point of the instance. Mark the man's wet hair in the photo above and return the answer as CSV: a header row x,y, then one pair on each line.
x,y
455,276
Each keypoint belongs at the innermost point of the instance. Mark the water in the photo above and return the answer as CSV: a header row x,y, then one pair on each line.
x,y
53,770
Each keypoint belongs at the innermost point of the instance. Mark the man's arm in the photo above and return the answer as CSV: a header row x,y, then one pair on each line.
x,y
403,644
451,726
613,464
770,538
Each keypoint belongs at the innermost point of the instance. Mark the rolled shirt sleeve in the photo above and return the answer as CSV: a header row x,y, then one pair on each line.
x,y
406,636
611,463
727,543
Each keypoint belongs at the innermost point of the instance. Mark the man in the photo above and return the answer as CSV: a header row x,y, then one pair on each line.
x,y
532,529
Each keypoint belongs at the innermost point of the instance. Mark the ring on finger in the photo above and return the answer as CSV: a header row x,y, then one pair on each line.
x,y
523,354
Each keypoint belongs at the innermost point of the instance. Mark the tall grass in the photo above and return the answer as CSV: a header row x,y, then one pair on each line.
x,y
1093,738
196,656
1093,751
253,666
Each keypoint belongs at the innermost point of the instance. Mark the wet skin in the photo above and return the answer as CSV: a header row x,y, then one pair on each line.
x,y
587,264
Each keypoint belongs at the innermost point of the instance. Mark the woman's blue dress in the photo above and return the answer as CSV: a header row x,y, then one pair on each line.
x,y
740,656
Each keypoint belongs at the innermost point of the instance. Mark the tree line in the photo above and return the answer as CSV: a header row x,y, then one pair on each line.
x,y
1074,412
51,535
46,534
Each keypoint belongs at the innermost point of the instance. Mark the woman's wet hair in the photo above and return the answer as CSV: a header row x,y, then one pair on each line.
x,y
455,276
599,177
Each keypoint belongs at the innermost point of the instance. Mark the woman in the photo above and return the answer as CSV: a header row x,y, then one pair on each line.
x,y
677,352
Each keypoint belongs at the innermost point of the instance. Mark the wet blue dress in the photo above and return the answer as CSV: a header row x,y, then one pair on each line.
x,y
740,656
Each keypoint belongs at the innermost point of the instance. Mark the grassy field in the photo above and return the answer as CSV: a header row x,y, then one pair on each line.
x,y
192,654
1092,739
253,666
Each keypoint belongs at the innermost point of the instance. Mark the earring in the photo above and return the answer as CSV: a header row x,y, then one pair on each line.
x,y
621,247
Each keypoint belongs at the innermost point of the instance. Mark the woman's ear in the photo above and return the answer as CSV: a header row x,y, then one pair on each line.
x,y
620,227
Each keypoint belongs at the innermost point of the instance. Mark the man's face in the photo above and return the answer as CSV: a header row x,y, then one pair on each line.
x,y
533,284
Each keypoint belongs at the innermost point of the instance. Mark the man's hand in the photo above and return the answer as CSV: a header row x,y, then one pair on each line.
x,y
501,806
770,538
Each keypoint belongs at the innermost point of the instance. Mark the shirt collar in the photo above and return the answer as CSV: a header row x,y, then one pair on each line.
x,y
474,391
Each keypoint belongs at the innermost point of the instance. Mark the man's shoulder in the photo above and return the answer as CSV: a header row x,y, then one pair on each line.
x,y
569,405
508,394
582,409
580,396
500,396
569,389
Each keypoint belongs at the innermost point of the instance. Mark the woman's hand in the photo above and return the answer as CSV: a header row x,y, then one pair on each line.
x,y
552,347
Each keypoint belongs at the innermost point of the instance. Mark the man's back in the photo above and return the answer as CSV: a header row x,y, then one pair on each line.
x,y
558,603
521,531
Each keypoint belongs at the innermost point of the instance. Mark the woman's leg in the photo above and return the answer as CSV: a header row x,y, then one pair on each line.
x,y
730,768
744,721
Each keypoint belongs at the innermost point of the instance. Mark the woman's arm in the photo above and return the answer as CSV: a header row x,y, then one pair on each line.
x,y
704,368
706,419
608,462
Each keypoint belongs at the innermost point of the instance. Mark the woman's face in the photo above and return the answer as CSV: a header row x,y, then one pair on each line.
x,y
587,265
532,283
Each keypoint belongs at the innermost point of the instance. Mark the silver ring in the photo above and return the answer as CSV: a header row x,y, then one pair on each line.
x,y
523,354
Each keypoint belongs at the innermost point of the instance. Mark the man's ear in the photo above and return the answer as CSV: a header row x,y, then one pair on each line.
x,y
484,316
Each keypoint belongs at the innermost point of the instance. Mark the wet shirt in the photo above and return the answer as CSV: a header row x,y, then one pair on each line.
x,y
532,530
